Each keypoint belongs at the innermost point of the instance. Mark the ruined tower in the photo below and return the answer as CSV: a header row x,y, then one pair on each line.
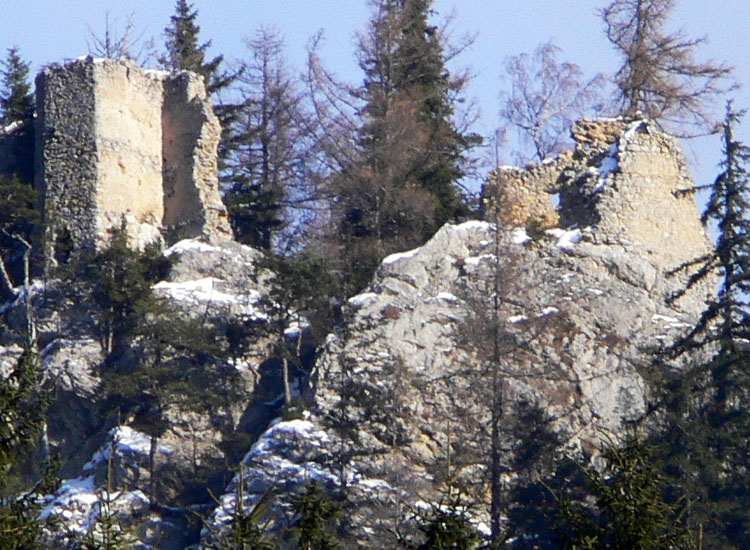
x,y
118,145
626,183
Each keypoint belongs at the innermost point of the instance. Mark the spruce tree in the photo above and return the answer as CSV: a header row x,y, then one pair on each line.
x,y
708,432
16,99
315,518
400,184
630,512
184,52
22,416
17,113
267,170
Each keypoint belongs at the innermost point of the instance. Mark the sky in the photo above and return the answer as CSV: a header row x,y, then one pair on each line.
x,y
51,31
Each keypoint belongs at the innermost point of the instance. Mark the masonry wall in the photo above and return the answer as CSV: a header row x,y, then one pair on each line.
x,y
66,158
117,145
190,141
625,181
128,142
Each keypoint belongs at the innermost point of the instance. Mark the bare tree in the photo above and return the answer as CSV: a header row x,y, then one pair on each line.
x,y
269,166
115,44
545,98
659,75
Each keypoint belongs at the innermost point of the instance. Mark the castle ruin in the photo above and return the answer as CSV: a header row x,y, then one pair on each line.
x,y
121,146
626,181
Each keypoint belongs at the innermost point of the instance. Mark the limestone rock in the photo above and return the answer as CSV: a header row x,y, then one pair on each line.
x,y
401,391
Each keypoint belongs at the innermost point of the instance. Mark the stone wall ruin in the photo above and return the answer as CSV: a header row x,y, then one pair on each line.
x,y
118,145
626,181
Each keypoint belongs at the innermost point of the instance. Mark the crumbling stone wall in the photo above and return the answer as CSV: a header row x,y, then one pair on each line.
x,y
626,181
521,196
636,193
120,145
190,139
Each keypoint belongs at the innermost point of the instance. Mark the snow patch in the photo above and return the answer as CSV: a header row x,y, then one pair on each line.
x,y
447,297
203,291
476,260
548,311
566,239
398,256
516,319
475,225
609,164
361,299
519,236
190,244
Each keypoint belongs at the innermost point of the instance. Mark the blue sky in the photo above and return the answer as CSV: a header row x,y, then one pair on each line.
x,y
49,31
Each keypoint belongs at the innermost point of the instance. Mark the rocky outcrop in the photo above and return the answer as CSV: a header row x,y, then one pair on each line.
x,y
212,284
118,145
401,393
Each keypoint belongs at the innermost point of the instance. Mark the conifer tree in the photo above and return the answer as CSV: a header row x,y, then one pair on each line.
x,y
184,52
314,519
630,510
22,417
401,182
446,527
708,432
17,113
267,169
16,99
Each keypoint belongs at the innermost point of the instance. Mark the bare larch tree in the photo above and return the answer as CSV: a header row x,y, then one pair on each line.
x,y
660,76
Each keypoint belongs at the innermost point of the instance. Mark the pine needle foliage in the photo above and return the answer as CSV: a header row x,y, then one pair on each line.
x,y
707,428
316,516
446,526
22,415
121,280
247,530
630,510
16,99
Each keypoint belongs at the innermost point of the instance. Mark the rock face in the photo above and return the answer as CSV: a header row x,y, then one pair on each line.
x,y
117,144
215,284
556,325
538,328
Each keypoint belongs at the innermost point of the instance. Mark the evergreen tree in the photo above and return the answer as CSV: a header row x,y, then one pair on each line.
x,y
22,414
17,116
267,169
630,513
708,435
400,185
184,52
16,99
446,527
121,286
314,519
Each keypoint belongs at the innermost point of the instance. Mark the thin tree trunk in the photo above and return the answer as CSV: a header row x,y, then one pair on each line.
x,y
287,386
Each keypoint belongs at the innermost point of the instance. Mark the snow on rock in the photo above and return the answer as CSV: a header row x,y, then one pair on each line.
x,y
202,290
476,260
398,256
608,165
191,245
78,500
10,128
519,236
361,299
513,319
566,239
